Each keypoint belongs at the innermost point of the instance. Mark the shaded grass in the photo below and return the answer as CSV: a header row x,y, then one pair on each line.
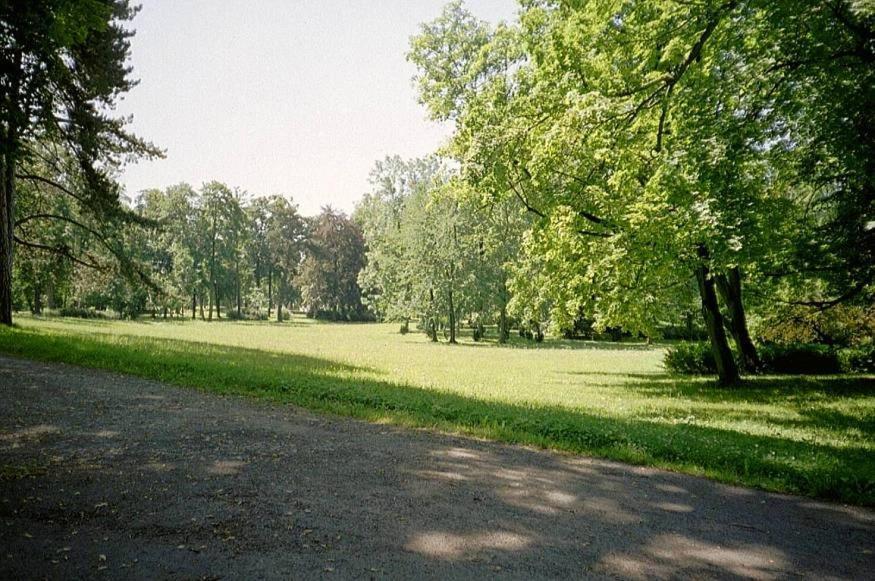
x,y
812,436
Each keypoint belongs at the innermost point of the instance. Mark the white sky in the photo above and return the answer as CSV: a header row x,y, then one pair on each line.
x,y
292,97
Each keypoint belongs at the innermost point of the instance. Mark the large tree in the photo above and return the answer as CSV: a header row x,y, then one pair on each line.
x,y
656,141
63,67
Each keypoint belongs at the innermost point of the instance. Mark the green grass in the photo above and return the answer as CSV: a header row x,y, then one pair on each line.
x,y
807,435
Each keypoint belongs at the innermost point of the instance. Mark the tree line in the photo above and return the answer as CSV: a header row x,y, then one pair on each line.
x,y
205,254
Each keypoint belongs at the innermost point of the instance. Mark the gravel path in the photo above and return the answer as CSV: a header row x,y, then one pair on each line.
x,y
104,475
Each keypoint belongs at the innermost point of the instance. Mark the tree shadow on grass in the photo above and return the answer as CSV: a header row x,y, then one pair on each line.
x,y
844,472
561,344
756,389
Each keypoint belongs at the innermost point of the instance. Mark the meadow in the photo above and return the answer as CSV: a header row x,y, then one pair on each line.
x,y
800,434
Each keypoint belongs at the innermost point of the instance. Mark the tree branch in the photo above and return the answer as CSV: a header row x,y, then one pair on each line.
x,y
54,184
61,250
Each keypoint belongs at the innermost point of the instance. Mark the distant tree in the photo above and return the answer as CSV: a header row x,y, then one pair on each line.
x,y
329,273
63,65
285,236
387,278
221,222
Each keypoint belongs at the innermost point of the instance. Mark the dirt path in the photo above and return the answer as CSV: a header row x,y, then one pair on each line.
x,y
107,475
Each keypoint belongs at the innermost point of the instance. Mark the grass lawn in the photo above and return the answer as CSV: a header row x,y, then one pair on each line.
x,y
806,435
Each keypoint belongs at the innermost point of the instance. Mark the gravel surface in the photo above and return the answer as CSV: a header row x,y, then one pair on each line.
x,y
108,476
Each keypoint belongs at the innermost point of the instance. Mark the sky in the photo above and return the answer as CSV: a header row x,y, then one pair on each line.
x,y
290,97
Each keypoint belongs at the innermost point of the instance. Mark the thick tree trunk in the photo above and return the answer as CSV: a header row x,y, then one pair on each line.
x,y
218,303
7,195
279,304
193,305
201,303
729,288
210,308
727,371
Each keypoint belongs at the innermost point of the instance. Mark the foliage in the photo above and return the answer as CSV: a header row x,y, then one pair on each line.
x,y
335,254
796,359
436,252
655,141
690,359
63,68
857,359
840,325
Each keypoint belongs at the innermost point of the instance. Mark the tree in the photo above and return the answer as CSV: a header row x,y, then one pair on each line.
x,y
655,140
285,235
335,254
62,68
386,279
222,222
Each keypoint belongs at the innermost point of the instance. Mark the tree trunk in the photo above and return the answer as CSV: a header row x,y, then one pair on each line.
x,y
9,141
729,288
210,309
51,297
452,314
193,304
218,303
279,304
269,291
237,276
201,303
7,193
727,371
37,300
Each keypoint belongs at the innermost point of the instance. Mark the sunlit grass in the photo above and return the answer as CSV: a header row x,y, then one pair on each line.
x,y
814,436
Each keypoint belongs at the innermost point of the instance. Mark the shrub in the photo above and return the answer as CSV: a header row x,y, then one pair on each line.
x,y
690,359
796,359
803,359
857,359
81,313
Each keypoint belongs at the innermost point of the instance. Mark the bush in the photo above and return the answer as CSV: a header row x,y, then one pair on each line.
x,y
690,359
797,359
81,313
803,359
857,359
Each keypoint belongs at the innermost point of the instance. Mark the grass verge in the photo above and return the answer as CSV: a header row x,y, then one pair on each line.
x,y
839,467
